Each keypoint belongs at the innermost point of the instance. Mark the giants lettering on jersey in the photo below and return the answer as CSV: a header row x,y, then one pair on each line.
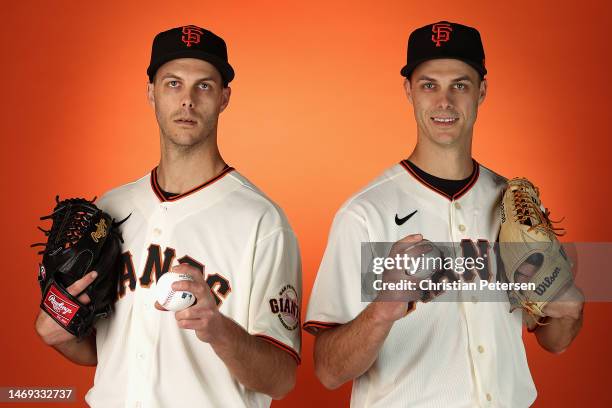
x,y
469,250
158,265
286,307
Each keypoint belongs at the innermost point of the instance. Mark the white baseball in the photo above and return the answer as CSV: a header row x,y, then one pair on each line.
x,y
170,299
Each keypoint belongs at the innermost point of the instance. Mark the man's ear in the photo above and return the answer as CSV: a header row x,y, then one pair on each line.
x,y
408,90
226,93
482,93
150,94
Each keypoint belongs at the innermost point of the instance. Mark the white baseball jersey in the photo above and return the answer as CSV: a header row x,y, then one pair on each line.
x,y
462,353
249,256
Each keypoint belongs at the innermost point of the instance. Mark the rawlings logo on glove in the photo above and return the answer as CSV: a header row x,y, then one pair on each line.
x,y
100,232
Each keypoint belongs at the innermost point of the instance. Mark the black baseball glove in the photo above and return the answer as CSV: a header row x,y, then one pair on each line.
x,y
82,238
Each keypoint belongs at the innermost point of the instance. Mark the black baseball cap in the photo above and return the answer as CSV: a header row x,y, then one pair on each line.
x,y
445,40
190,42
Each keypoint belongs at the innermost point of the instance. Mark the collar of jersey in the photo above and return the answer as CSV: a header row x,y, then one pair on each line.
x,y
158,191
458,194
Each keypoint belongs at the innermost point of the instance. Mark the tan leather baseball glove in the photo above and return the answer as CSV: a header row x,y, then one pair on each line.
x,y
530,250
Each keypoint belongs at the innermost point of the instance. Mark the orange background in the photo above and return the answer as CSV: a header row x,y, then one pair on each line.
x,y
317,111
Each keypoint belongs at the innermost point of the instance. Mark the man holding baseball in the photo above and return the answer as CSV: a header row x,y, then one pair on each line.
x,y
194,215
452,352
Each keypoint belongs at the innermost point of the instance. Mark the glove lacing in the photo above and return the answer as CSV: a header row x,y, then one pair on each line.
x,y
528,212
66,234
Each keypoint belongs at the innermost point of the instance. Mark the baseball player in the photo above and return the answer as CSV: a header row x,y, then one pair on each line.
x,y
462,353
239,344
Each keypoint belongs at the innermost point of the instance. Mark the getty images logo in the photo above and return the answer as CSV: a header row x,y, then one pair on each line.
x,y
547,282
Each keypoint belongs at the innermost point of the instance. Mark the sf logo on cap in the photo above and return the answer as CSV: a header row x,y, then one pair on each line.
x,y
191,35
441,33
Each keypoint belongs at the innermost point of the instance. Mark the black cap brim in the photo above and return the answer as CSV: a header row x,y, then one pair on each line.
x,y
407,70
225,69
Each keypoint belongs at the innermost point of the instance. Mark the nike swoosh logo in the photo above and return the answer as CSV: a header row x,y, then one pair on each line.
x,y
400,221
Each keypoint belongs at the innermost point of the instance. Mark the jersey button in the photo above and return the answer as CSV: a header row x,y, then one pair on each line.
x,y
157,232
461,227
489,398
140,356
457,205
480,349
